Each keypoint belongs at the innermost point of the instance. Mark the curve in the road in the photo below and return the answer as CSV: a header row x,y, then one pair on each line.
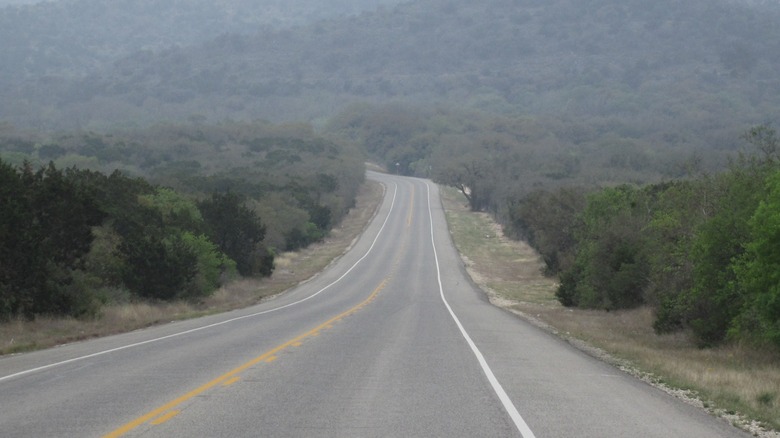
x,y
510,408
217,324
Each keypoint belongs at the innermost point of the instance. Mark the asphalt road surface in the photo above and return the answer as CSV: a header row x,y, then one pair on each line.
x,y
392,340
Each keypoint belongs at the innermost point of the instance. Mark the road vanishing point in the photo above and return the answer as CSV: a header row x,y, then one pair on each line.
x,y
392,340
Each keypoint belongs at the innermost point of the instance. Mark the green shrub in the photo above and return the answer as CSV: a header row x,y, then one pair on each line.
x,y
610,268
758,271
158,268
212,266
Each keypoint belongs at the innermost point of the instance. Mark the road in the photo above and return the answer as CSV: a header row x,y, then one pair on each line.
x,y
392,340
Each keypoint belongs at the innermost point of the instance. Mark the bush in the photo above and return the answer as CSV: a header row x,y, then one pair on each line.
x,y
549,221
212,266
610,268
158,268
301,237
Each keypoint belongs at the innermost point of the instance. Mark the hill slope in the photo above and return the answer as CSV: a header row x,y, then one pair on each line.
x,y
74,37
699,62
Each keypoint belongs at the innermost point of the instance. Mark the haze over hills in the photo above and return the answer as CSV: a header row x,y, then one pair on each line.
x,y
4,3
668,64
74,37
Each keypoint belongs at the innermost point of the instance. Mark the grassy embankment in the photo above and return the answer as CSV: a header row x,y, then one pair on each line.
x,y
291,268
732,381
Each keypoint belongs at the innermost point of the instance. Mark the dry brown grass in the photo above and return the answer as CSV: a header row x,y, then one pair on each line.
x,y
733,381
291,269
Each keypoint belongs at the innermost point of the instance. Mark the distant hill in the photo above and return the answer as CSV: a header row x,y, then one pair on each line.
x,y
710,64
74,37
4,3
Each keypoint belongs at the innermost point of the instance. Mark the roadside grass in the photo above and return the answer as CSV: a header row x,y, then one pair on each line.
x,y
20,335
737,382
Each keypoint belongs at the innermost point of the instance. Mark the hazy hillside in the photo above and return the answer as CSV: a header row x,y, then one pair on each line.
x,y
675,65
18,2
73,37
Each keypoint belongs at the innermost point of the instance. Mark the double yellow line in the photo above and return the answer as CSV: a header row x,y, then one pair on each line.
x,y
168,411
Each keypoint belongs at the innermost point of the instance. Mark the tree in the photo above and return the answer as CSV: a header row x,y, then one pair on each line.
x,y
15,217
182,235
45,230
713,301
158,267
610,267
468,165
716,299
237,231
680,209
549,222
764,138
758,272
178,211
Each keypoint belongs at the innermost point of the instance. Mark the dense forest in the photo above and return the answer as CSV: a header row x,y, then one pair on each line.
x,y
671,72
4,3
77,235
70,38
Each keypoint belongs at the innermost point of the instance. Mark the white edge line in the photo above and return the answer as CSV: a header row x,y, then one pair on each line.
x,y
521,425
138,344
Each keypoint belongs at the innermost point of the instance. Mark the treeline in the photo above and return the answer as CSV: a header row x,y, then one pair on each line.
x,y
703,252
498,160
622,223
299,182
191,207
74,240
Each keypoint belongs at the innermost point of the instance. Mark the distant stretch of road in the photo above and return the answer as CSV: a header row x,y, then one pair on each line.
x,y
393,340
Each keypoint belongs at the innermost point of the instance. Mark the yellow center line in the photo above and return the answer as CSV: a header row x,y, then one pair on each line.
x,y
166,417
164,409
231,381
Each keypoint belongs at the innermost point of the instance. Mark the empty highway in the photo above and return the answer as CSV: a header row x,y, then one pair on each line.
x,y
392,340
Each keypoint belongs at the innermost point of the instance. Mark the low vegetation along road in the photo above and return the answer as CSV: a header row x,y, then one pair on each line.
x,y
392,340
